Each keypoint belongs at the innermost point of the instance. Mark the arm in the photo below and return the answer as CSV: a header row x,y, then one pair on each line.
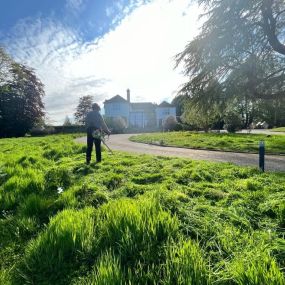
x,y
104,126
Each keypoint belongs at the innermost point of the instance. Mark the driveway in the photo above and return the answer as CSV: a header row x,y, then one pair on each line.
x,y
121,142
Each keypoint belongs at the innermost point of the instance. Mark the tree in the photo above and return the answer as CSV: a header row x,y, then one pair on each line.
x,y
233,121
67,122
235,35
84,106
21,105
206,107
197,119
179,102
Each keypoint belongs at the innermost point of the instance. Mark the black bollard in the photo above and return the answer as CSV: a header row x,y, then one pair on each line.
x,y
261,155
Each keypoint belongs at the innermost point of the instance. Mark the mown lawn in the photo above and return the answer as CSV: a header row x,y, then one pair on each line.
x,y
274,144
281,129
135,219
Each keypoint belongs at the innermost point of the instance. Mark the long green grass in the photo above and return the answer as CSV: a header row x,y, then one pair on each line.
x,y
135,219
281,129
274,144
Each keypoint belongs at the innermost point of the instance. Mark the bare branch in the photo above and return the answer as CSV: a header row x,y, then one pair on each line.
x,y
269,27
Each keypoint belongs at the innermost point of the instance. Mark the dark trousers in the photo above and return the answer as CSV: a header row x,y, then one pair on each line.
x,y
90,141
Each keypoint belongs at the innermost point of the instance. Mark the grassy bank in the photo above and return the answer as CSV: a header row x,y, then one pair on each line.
x,y
281,129
224,142
135,219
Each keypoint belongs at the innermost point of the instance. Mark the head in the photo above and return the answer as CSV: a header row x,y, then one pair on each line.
x,y
96,107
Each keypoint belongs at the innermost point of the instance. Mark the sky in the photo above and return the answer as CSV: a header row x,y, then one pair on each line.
x,y
99,48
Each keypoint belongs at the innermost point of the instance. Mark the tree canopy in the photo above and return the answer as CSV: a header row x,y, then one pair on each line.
x,y
84,106
21,94
240,47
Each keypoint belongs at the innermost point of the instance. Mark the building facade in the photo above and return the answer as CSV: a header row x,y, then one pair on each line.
x,y
141,115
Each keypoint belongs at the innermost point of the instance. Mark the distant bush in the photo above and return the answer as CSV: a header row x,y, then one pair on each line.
x,y
116,124
171,124
42,131
233,122
49,130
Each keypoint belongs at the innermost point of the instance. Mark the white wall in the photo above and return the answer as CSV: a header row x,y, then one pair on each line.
x,y
117,109
164,112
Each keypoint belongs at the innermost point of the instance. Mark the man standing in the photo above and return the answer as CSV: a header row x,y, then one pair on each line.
x,y
94,123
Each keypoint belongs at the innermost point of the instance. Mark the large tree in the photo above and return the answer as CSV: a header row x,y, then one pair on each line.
x,y
238,36
240,46
84,106
21,94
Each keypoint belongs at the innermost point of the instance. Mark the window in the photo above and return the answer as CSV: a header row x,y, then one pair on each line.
x,y
166,112
116,107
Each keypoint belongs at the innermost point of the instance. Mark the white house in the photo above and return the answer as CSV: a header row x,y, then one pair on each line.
x,y
164,110
141,115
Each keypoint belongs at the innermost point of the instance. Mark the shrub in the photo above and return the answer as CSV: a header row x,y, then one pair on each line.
x,y
116,124
233,122
171,124
42,131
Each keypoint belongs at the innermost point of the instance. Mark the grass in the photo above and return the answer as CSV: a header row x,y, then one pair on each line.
x,y
281,129
135,219
223,142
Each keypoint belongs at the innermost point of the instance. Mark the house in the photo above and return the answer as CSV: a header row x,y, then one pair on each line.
x,y
143,114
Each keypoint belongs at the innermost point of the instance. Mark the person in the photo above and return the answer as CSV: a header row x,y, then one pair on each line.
x,y
94,123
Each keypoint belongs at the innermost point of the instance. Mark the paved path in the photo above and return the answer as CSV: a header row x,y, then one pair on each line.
x,y
121,142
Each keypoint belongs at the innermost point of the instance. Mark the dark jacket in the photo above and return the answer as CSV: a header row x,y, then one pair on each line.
x,y
95,120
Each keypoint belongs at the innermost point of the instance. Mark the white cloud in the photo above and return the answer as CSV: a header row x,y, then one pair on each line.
x,y
74,5
138,54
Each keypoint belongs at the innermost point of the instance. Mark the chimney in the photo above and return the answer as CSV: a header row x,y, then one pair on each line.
x,y
128,95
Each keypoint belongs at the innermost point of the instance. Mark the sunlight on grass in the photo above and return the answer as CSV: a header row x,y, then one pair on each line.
x,y
135,219
274,144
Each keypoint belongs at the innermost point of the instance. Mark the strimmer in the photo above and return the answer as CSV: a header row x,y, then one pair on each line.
x,y
100,134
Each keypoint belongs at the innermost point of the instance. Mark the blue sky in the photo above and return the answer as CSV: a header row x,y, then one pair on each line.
x,y
99,48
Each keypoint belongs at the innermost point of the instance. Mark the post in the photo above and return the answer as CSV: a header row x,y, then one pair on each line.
x,y
261,155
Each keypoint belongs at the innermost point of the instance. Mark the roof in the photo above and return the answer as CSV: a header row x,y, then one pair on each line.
x,y
165,104
145,106
116,99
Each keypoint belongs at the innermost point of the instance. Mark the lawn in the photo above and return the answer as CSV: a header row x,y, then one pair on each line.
x,y
135,219
274,144
281,129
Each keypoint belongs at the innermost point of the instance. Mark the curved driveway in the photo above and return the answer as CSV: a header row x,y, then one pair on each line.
x,y
121,142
